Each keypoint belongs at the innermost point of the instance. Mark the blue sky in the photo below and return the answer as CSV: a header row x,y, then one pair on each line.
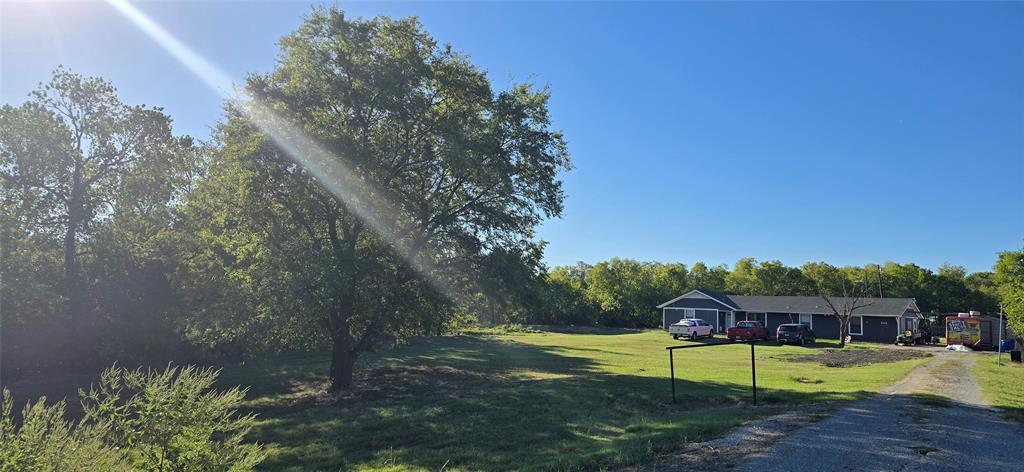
x,y
850,133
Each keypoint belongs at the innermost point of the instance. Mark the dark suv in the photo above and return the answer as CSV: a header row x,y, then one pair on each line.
x,y
794,333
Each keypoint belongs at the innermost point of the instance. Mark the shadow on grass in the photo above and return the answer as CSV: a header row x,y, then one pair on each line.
x,y
603,330
488,404
485,403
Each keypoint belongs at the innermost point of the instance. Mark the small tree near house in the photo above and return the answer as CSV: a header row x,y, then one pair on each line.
x,y
843,296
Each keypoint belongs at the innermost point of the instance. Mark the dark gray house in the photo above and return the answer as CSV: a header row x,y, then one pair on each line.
x,y
880,321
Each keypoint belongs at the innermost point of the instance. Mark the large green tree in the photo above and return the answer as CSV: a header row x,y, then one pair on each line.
x,y
73,158
775,278
708,278
1009,279
627,291
565,298
441,174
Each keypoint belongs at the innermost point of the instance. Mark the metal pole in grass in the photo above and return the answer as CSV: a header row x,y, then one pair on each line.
x,y
672,373
999,357
753,372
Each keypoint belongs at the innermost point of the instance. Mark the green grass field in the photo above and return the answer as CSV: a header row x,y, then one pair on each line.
x,y
1002,386
528,401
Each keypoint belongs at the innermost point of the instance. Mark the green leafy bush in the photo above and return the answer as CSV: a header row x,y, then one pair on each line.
x,y
45,442
173,420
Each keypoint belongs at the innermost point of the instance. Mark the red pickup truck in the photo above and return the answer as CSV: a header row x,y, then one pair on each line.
x,y
747,331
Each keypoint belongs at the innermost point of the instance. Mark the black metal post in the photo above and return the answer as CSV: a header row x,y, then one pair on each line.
x,y
672,372
753,372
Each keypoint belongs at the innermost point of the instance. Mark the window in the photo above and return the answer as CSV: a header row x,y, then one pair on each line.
x,y
762,317
807,320
675,314
857,325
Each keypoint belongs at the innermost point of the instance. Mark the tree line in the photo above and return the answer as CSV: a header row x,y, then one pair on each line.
x,y
625,292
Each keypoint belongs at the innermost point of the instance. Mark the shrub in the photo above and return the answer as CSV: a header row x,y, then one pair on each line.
x,y
173,420
45,442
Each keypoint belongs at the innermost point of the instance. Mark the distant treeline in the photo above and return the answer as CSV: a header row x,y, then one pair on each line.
x,y
625,292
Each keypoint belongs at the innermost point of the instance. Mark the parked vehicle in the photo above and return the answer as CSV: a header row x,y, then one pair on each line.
x,y
747,331
691,329
794,333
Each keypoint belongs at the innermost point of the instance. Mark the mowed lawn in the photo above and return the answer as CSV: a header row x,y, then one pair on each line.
x,y
529,401
1002,385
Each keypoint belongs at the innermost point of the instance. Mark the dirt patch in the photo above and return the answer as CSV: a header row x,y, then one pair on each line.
x,y
856,357
948,376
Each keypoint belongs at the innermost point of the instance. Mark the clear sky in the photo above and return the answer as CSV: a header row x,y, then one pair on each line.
x,y
850,133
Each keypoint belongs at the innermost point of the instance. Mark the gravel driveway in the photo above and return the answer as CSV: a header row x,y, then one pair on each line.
x,y
904,431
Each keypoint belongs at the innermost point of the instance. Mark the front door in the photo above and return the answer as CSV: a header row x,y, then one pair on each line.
x,y
730,320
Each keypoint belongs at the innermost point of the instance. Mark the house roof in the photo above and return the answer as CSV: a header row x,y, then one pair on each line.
x,y
707,294
801,304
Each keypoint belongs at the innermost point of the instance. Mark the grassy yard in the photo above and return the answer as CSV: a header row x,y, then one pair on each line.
x,y
529,401
1003,386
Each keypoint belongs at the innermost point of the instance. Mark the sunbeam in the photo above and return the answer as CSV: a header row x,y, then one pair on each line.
x,y
365,200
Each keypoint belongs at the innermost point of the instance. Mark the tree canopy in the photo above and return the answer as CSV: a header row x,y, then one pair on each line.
x,y
449,174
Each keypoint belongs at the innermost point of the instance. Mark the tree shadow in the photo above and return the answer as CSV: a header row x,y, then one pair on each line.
x,y
600,330
482,403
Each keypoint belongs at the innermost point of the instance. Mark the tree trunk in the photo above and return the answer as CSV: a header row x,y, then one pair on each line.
x,y
72,284
80,335
342,363
844,328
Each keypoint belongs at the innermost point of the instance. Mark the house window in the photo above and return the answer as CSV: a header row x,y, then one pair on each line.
x,y
807,320
675,314
857,325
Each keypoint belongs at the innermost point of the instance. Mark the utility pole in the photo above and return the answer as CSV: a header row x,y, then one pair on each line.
x,y
878,267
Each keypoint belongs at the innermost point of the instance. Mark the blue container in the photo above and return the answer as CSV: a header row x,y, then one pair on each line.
x,y
1006,345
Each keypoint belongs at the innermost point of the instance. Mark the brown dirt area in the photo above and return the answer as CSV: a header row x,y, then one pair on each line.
x,y
856,357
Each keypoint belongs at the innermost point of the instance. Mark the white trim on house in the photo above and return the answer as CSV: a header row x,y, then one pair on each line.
x,y
849,326
702,295
916,311
810,317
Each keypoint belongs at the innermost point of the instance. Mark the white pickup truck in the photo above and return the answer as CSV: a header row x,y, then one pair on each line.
x,y
691,329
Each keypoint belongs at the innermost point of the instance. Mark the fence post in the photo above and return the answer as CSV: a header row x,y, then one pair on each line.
x,y
672,373
753,372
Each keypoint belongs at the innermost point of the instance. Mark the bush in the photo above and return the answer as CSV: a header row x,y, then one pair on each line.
x,y
45,442
173,420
